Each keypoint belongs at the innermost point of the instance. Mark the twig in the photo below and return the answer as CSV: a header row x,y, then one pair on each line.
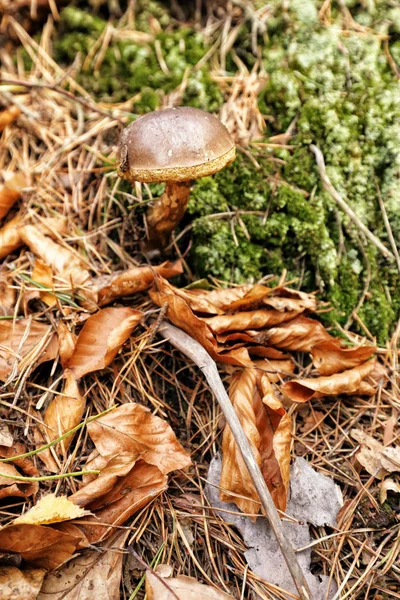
x,y
387,225
148,568
195,351
344,206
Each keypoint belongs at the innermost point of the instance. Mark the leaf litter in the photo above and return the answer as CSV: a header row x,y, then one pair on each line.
x,y
69,251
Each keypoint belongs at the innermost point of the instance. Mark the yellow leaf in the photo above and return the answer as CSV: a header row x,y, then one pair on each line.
x,y
51,509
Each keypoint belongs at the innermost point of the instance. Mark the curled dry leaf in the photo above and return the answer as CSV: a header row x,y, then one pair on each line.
x,y
9,487
100,339
275,369
7,294
299,334
10,234
135,280
257,319
63,414
131,429
41,546
185,588
211,302
386,486
25,340
8,116
280,298
348,382
92,574
329,357
10,191
181,315
66,343
51,509
142,484
66,264
20,585
374,457
268,429
43,274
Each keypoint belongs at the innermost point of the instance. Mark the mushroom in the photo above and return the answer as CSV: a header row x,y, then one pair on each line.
x,y
174,145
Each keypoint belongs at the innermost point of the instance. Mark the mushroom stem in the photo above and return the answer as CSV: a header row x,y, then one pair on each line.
x,y
167,211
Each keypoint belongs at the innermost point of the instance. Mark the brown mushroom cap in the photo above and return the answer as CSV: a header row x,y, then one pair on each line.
x,y
175,144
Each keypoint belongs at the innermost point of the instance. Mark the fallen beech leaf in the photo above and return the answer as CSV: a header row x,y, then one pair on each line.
x,y
63,414
10,191
10,234
20,585
386,486
41,546
92,575
7,294
311,420
280,298
43,274
6,438
181,315
329,357
276,369
11,487
268,429
211,302
299,334
374,457
142,484
257,319
100,339
131,429
135,280
186,588
8,116
348,382
51,509
64,262
66,343
26,340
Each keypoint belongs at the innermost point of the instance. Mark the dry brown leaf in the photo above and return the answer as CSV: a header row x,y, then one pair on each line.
x,y
276,369
64,413
257,319
66,343
142,484
213,302
348,382
10,191
311,420
268,429
7,294
25,340
92,575
135,280
131,429
100,339
8,116
386,486
299,334
181,315
63,261
186,588
374,457
329,357
51,509
20,585
41,546
280,298
43,274
11,487
6,438
10,234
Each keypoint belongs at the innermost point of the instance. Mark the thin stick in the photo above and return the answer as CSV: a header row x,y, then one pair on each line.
x,y
344,206
387,225
195,351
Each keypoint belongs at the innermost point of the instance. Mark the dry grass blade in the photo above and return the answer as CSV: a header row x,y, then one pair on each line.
x,y
20,585
348,382
268,429
183,588
10,191
135,280
100,339
91,575
27,340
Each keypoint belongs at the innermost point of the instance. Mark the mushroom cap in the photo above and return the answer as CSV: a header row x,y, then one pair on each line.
x,y
175,144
